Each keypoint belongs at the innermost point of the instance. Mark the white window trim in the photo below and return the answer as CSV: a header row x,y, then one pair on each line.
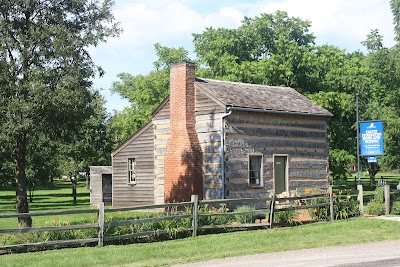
x,y
132,180
261,184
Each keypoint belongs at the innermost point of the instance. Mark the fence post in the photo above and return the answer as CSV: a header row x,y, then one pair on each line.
x,y
100,206
195,200
387,199
360,198
271,213
331,203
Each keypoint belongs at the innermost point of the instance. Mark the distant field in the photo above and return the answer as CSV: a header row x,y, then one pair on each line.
x,y
390,178
56,196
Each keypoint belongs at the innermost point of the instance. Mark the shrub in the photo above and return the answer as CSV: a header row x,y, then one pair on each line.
x,y
341,211
395,209
245,218
375,208
217,216
377,205
286,217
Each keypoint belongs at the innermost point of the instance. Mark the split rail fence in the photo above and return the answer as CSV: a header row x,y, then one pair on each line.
x,y
264,206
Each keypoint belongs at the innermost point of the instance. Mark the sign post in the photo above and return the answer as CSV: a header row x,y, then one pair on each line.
x,y
371,137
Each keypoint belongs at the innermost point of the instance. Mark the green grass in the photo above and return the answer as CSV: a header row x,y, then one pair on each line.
x,y
356,230
56,196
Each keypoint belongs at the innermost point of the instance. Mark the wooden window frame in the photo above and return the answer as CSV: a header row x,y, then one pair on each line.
x,y
261,180
132,171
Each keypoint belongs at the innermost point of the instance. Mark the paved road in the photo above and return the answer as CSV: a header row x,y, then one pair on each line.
x,y
384,253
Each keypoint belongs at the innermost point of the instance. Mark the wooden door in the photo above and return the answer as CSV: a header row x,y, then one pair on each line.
x,y
280,174
107,189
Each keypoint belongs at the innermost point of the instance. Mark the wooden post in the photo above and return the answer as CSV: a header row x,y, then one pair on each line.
x,y
271,213
100,206
360,198
195,201
331,203
387,199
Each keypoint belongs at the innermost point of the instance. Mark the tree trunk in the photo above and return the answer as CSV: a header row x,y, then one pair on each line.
x,y
372,171
21,204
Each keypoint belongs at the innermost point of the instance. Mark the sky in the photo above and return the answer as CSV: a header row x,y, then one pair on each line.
x,y
342,23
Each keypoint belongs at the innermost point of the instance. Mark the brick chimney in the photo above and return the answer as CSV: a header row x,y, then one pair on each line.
x,y
183,156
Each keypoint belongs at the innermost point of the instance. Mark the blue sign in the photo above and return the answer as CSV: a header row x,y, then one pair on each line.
x,y
371,135
372,159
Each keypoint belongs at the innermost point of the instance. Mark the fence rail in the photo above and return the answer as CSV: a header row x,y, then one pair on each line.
x,y
265,206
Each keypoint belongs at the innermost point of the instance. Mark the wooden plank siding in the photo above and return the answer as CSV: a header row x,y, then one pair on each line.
x,y
303,139
141,147
208,128
96,183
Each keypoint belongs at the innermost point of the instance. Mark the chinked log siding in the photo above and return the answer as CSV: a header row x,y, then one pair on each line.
x,y
279,121
302,139
275,132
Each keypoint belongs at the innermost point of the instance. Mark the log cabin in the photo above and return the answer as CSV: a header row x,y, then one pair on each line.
x,y
220,139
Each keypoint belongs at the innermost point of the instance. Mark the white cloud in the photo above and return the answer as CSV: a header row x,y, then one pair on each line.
x,y
340,21
344,23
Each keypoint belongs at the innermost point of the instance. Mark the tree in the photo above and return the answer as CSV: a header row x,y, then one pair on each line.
x,y
341,133
395,7
269,49
144,92
373,41
45,71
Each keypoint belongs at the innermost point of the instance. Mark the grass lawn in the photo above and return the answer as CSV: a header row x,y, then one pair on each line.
x,y
356,230
56,196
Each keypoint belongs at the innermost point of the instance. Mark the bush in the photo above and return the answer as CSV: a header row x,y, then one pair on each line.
x,y
245,218
342,211
395,208
221,216
286,217
377,204
375,208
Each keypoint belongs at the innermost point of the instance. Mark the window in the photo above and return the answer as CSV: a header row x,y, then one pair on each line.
x,y
132,171
255,170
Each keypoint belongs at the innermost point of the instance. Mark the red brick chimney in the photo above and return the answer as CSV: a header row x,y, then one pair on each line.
x,y
183,156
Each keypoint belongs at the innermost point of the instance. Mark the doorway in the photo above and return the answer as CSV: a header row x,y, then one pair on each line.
x,y
107,189
280,174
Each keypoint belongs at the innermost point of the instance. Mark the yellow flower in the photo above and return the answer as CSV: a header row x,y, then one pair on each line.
x,y
315,210
119,212
307,190
110,217
53,221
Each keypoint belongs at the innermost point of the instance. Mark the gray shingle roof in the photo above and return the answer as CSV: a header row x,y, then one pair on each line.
x,y
274,98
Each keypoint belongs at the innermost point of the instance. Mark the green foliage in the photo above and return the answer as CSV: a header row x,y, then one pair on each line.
x,y
286,217
245,218
339,161
144,92
217,215
377,205
395,208
379,195
342,208
45,76
375,208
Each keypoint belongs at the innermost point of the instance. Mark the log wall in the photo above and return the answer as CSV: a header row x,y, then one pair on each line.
x,y
302,139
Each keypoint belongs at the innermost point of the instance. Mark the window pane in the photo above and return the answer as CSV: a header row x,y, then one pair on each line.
x,y
255,163
132,170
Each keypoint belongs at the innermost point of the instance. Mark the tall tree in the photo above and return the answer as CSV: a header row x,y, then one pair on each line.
x,y
395,7
144,92
45,71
